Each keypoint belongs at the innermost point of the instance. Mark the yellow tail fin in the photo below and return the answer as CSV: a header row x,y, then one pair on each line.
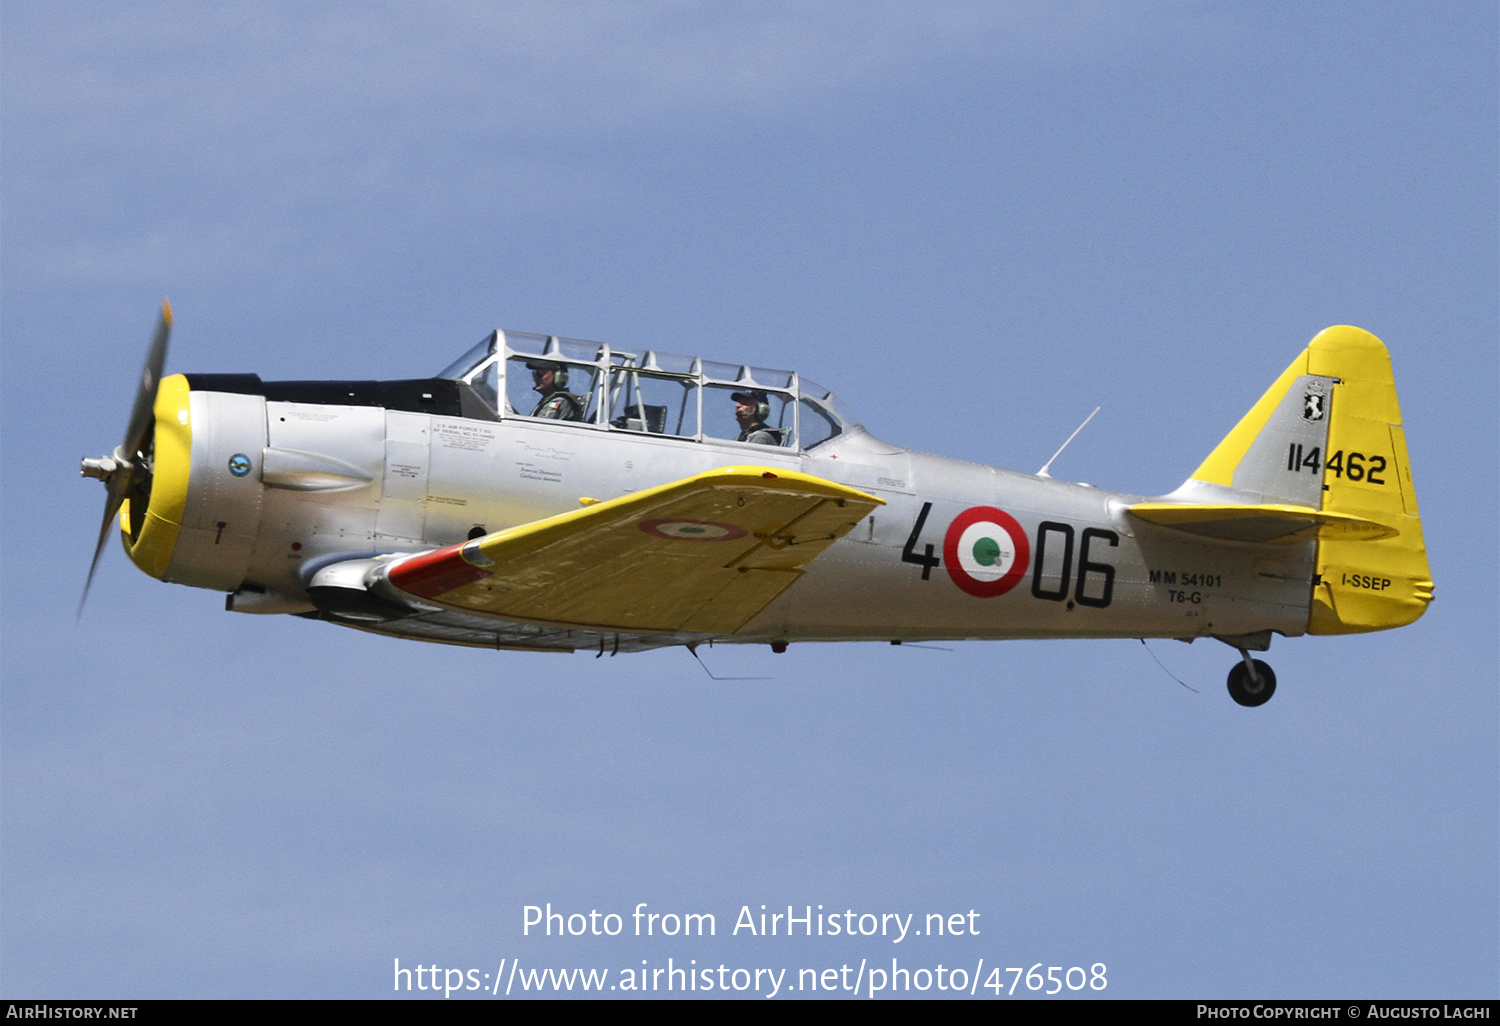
x,y
1328,435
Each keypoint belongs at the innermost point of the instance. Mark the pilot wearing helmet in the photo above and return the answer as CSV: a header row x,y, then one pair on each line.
x,y
751,408
550,381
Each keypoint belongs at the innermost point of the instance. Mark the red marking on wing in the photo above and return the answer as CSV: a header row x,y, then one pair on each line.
x,y
435,573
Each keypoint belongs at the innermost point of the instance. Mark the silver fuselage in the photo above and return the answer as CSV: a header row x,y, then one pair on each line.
x,y
329,483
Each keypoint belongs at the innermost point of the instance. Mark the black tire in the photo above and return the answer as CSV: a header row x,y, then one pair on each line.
x,y
1247,692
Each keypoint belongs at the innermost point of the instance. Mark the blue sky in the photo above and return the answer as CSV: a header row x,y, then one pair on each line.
x,y
975,222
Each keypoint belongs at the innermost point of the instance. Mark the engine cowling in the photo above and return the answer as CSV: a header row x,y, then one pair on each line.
x,y
202,511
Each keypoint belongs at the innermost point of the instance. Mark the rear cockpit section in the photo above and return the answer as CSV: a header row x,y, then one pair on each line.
x,y
598,387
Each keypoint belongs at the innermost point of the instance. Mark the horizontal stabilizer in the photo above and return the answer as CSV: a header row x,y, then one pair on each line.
x,y
1273,523
701,555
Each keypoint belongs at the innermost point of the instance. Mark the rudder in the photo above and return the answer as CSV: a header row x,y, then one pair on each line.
x,y
1366,585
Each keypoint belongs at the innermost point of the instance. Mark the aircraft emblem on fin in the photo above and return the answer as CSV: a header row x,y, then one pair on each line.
x,y
1314,405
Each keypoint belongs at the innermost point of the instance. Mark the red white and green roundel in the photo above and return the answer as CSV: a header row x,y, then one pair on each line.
x,y
985,551
692,530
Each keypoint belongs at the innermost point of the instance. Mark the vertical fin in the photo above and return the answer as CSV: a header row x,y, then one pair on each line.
x,y
1328,435
1276,452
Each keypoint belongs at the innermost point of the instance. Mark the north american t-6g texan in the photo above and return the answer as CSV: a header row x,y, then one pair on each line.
x,y
543,493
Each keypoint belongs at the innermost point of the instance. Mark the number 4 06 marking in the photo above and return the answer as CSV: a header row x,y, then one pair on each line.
x,y
1092,575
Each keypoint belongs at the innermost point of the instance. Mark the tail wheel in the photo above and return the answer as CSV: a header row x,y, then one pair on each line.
x,y
1251,682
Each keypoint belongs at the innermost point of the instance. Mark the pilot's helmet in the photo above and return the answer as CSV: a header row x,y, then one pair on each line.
x,y
559,372
756,396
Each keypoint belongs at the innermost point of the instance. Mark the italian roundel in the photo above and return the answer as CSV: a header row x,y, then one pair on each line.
x,y
985,551
692,530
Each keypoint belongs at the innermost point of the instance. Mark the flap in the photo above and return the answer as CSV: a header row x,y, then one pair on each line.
x,y
704,554
1248,522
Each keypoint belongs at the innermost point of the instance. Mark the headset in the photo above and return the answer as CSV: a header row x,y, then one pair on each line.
x,y
762,404
559,371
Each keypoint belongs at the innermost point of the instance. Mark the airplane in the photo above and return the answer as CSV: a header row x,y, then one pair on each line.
x,y
550,494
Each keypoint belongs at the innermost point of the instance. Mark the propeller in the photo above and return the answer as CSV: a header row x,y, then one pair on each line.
x,y
127,472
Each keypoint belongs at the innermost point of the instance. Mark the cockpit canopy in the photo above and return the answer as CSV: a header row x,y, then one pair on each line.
x,y
599,387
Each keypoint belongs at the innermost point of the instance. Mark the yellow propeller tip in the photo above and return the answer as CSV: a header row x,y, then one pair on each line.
x,y
166,311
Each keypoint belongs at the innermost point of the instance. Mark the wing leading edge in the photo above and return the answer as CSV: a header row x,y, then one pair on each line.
x,y
704,554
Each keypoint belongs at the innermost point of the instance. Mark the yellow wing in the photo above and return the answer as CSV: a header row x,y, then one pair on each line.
x,y
701,555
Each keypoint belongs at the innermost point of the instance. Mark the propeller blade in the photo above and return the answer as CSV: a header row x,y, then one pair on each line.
x,y
111,507
121,472
145,395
